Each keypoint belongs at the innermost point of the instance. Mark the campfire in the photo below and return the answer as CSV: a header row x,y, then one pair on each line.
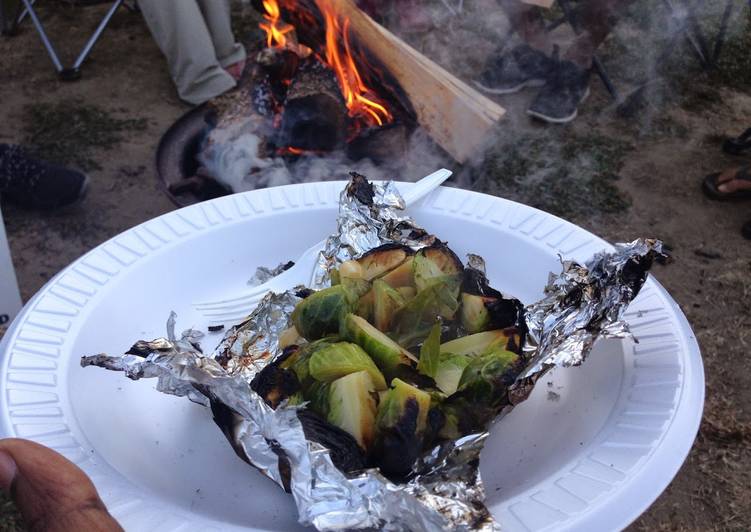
x,y
331,91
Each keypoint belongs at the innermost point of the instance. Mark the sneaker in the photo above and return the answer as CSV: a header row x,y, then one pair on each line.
x,y
559,100
523,66
34,184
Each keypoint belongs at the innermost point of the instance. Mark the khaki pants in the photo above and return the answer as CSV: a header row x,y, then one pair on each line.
x,y
196,37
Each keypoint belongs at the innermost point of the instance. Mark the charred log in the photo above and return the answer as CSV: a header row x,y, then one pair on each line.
x,y
380,144
314,117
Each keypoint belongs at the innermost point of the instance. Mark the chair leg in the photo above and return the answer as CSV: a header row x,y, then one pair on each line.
x,y
95,37
720,41
43,35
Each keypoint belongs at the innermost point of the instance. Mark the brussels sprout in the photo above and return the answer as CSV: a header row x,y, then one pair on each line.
x,y
296,399
484,307
299,360
351,269
319,314
383,259
432,262
342,358
401,421
356,287
407,292
386,301
417,316
487,377
345,453
289,337
475,344
449,372
365,305
352,406
401,276
386,353
275,384
430,352
317,393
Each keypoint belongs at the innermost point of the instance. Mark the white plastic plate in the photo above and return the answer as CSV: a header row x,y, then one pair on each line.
x,y
589,450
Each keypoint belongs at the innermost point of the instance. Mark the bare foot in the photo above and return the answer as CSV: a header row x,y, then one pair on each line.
x,y
236,69
727,181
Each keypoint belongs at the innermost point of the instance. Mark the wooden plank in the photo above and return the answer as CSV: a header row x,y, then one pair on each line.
x,y
455,115
547,4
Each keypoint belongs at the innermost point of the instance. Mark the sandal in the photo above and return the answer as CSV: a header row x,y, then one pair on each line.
x,y
739,144
709,186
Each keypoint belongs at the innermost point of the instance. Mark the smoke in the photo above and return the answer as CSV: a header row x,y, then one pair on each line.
x,y
649,57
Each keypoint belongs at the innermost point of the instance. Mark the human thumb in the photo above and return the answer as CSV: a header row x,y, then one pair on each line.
x,y
51,492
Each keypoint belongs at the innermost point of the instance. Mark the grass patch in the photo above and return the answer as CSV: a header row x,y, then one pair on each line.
x,y
567,174
69,133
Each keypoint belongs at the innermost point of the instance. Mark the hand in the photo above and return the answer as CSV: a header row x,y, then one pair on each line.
x,y
51,492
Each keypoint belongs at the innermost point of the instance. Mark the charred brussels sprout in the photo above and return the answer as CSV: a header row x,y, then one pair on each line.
x,y
401,421
444,368
487,377
352,406
345,452
320,313
275,384
342,358
383,259
386,353
432,262
484,307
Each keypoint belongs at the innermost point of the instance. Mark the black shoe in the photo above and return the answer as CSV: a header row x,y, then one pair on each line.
x,y
523,66
559,99
34,184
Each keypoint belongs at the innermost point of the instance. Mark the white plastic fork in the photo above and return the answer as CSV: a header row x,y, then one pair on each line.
x,y
226,311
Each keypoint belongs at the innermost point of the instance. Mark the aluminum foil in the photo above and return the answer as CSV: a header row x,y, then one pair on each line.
x,y
445,490
368,217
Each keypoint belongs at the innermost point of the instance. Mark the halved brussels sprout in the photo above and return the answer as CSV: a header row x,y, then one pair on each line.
x,y
449,372
432,262
417,316
386,353
386,301
407,292
400,276
484,307
342,358
487,377
401,421
352,406
475,344
383,259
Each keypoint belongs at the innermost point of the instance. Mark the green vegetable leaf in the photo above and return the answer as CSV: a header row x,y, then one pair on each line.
x,y
430,352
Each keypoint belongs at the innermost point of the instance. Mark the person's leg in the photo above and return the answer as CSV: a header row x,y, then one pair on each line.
x,y
181,33
527,22
216,13
598,18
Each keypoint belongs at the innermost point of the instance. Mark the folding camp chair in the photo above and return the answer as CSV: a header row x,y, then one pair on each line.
x,y
72,72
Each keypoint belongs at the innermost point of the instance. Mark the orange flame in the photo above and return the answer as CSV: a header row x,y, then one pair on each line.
x,y
276,30
363,104
361,101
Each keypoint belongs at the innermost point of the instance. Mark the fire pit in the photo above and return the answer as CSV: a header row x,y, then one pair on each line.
x,y
328,91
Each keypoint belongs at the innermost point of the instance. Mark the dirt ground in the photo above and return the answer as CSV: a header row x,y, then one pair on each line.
x,y
619,177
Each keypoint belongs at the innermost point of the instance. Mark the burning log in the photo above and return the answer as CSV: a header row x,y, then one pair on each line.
x,y
456,116
314,116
